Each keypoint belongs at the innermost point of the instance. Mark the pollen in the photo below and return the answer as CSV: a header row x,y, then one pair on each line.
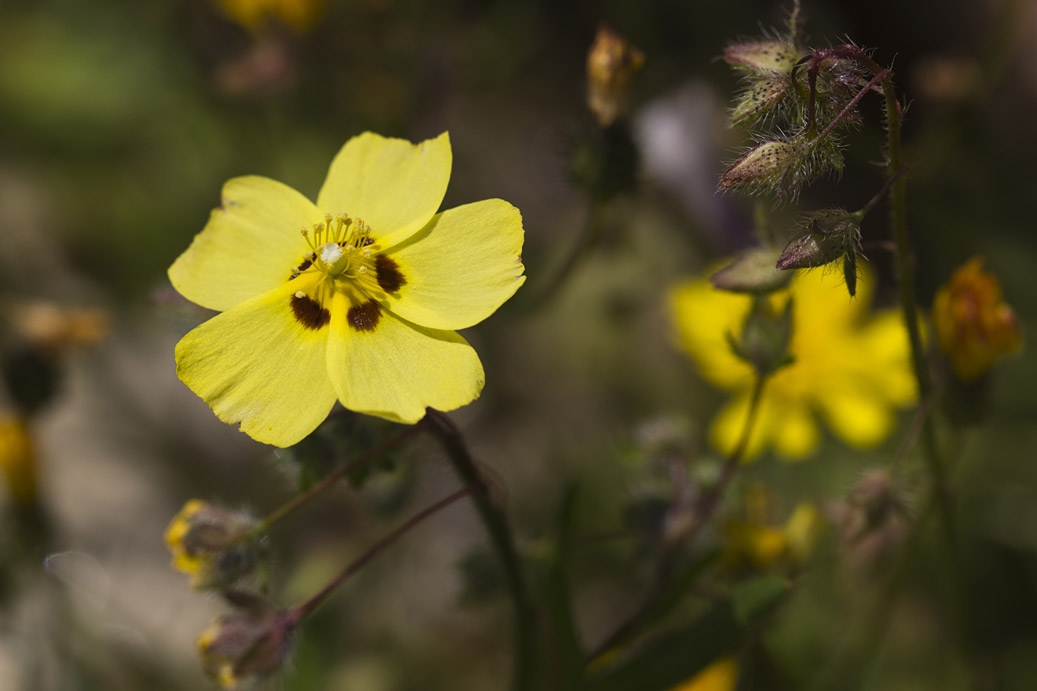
x,y
330,253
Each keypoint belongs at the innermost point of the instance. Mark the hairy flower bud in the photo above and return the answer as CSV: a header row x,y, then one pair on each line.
x,y
775,165
241,647
214,546
974,326
761,99
762,57
611,64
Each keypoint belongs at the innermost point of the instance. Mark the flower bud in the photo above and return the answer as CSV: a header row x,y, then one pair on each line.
x,y
760,100
762,57
974,326
240,647
764,340
214,546
18,460
611,63
873,519
829,233
775,165
752,272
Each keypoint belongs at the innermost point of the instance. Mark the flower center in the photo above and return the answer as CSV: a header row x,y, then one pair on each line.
x,y
343,258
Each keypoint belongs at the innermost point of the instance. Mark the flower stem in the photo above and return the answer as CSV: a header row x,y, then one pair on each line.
x,y
906,281
704,510
331,478
307,607
495,522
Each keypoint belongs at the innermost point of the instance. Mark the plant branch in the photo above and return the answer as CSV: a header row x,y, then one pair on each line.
x,y
307,607
331,478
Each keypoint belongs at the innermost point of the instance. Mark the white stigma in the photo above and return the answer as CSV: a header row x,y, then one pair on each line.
x,y
330,253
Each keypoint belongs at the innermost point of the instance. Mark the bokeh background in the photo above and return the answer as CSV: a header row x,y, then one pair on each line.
x,y
119,122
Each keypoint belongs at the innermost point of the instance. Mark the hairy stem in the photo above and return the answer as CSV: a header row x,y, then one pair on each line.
x,y
497,526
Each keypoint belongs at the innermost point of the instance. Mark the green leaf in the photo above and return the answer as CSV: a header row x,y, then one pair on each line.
x,y
752,272
681,654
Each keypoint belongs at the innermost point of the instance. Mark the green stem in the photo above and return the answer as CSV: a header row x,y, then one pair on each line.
x,y
311,604
906,281
330,479
705,509
496,524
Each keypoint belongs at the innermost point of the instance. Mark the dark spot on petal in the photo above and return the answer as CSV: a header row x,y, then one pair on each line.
x,y
364,317
388,273
293,276
309,312
305,265
368,241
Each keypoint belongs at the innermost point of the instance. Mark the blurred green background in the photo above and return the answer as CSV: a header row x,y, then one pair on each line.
x,y
119,122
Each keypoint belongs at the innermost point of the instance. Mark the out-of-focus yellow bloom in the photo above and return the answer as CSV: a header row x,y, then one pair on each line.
x,y
756,543
54,327
213,546
611,63
237,649
254,15
18,459
850,367
722,675
974,326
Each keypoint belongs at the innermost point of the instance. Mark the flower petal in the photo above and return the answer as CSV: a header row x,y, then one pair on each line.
x,y
394,369
859,415
393,185
249,245
460,267
257,364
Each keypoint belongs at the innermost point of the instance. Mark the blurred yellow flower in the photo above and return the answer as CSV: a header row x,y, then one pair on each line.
x,y
18,459
722,675
974,326
254,14
361,309
754,542
850,367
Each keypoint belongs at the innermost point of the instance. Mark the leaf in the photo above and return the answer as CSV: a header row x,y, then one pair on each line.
x,y
752,272
679,655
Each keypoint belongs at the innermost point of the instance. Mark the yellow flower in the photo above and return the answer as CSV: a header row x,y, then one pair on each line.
x,y
18,459
357,308
253,14
722,675
851,368
974,326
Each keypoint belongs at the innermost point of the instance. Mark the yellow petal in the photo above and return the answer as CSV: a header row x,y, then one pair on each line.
x,y
460,267
249,245
728,426
703,316
795,431
856,414
397,368
257,365
393,185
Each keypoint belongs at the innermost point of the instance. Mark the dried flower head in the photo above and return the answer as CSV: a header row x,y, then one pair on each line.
x,y
974,326
239,648
611,64
214,546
